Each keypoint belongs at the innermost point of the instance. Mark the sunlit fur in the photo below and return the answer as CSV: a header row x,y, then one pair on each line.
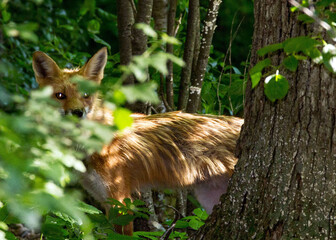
x,y
176,150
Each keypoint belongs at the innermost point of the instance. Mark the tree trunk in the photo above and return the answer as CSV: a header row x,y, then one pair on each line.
x,y
125,20
139,38
284,184
193,19
170,49
160,9
202,61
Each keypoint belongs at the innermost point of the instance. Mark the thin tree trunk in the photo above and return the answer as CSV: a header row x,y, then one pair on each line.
x,y
188,55
139,39
170,49
197,76
197,44
284,184
160,9
125,20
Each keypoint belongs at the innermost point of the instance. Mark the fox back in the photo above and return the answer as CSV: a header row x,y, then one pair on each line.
x,y
174,150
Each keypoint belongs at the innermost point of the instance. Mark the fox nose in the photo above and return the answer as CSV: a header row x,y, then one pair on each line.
x,y
78,112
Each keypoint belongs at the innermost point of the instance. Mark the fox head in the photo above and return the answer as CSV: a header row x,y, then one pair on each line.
x,y
47,73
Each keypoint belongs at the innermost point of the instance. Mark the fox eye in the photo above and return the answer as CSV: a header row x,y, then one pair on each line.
x,y
60,95
86,95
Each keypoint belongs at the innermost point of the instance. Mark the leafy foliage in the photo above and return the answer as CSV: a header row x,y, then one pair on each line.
x,y
296,49
41,151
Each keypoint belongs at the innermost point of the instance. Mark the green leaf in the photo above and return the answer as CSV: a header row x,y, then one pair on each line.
x,y
5,15
314,54
93,26
123,219
122,118
255,78
260,66
99,40
84,85
305,18
255,72
195,224
291,63
276,87
86,208
269,48
141,92
116,236
201,213
146,29
89,5
300,44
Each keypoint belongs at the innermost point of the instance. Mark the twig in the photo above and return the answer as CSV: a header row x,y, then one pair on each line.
x,y
178,23
133,8
166,234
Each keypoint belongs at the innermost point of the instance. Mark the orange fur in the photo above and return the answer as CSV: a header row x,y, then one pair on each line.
x,y
164,150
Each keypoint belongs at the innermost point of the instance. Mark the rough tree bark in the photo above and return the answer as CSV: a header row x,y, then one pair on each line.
x,y
125,20
160,8
202,61
170,49
144,14
284,184
188,55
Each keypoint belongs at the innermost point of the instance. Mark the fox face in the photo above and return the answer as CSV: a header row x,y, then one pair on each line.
x,y
47,73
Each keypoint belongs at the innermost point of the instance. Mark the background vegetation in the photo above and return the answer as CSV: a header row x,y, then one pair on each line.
x,y
39,157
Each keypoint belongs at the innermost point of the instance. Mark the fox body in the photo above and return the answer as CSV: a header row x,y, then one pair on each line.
x,y
172,149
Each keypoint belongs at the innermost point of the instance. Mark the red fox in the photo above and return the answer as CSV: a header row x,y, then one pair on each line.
x,y
172,149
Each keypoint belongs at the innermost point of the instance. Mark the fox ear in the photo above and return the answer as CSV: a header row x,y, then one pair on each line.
x,y
94,68
44,66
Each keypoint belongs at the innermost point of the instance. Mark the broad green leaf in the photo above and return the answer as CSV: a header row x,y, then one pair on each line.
x,y
84,85
299,44
276,87
260,66
270,48
88,5
99,40
123,219
305,18
149,235
256,71
195,224
146,29
141,92
122,118
314,54
291,63
67,27
255,78
93,26
201,213
171,40
5,16
84,207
